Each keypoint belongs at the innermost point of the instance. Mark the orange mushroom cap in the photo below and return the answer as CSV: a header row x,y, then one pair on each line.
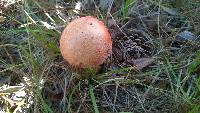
x,y
85,42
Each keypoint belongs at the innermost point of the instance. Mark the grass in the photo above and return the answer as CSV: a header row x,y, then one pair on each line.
x,y
94,103
195,93
30,58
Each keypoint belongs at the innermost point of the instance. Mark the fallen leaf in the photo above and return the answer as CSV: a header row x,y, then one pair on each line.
x,y
141,62
2,19
111,22
10,89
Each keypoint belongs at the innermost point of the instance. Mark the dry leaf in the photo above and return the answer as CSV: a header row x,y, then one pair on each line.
x,y
141,62
2,19
10,89
111,22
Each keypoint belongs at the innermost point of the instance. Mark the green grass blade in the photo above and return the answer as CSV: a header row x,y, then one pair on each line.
x,y
43,105
195,109
94,103
70,97
196,63
48,44
126,6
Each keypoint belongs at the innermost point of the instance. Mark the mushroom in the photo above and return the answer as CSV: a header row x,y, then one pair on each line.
x,y
85,42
